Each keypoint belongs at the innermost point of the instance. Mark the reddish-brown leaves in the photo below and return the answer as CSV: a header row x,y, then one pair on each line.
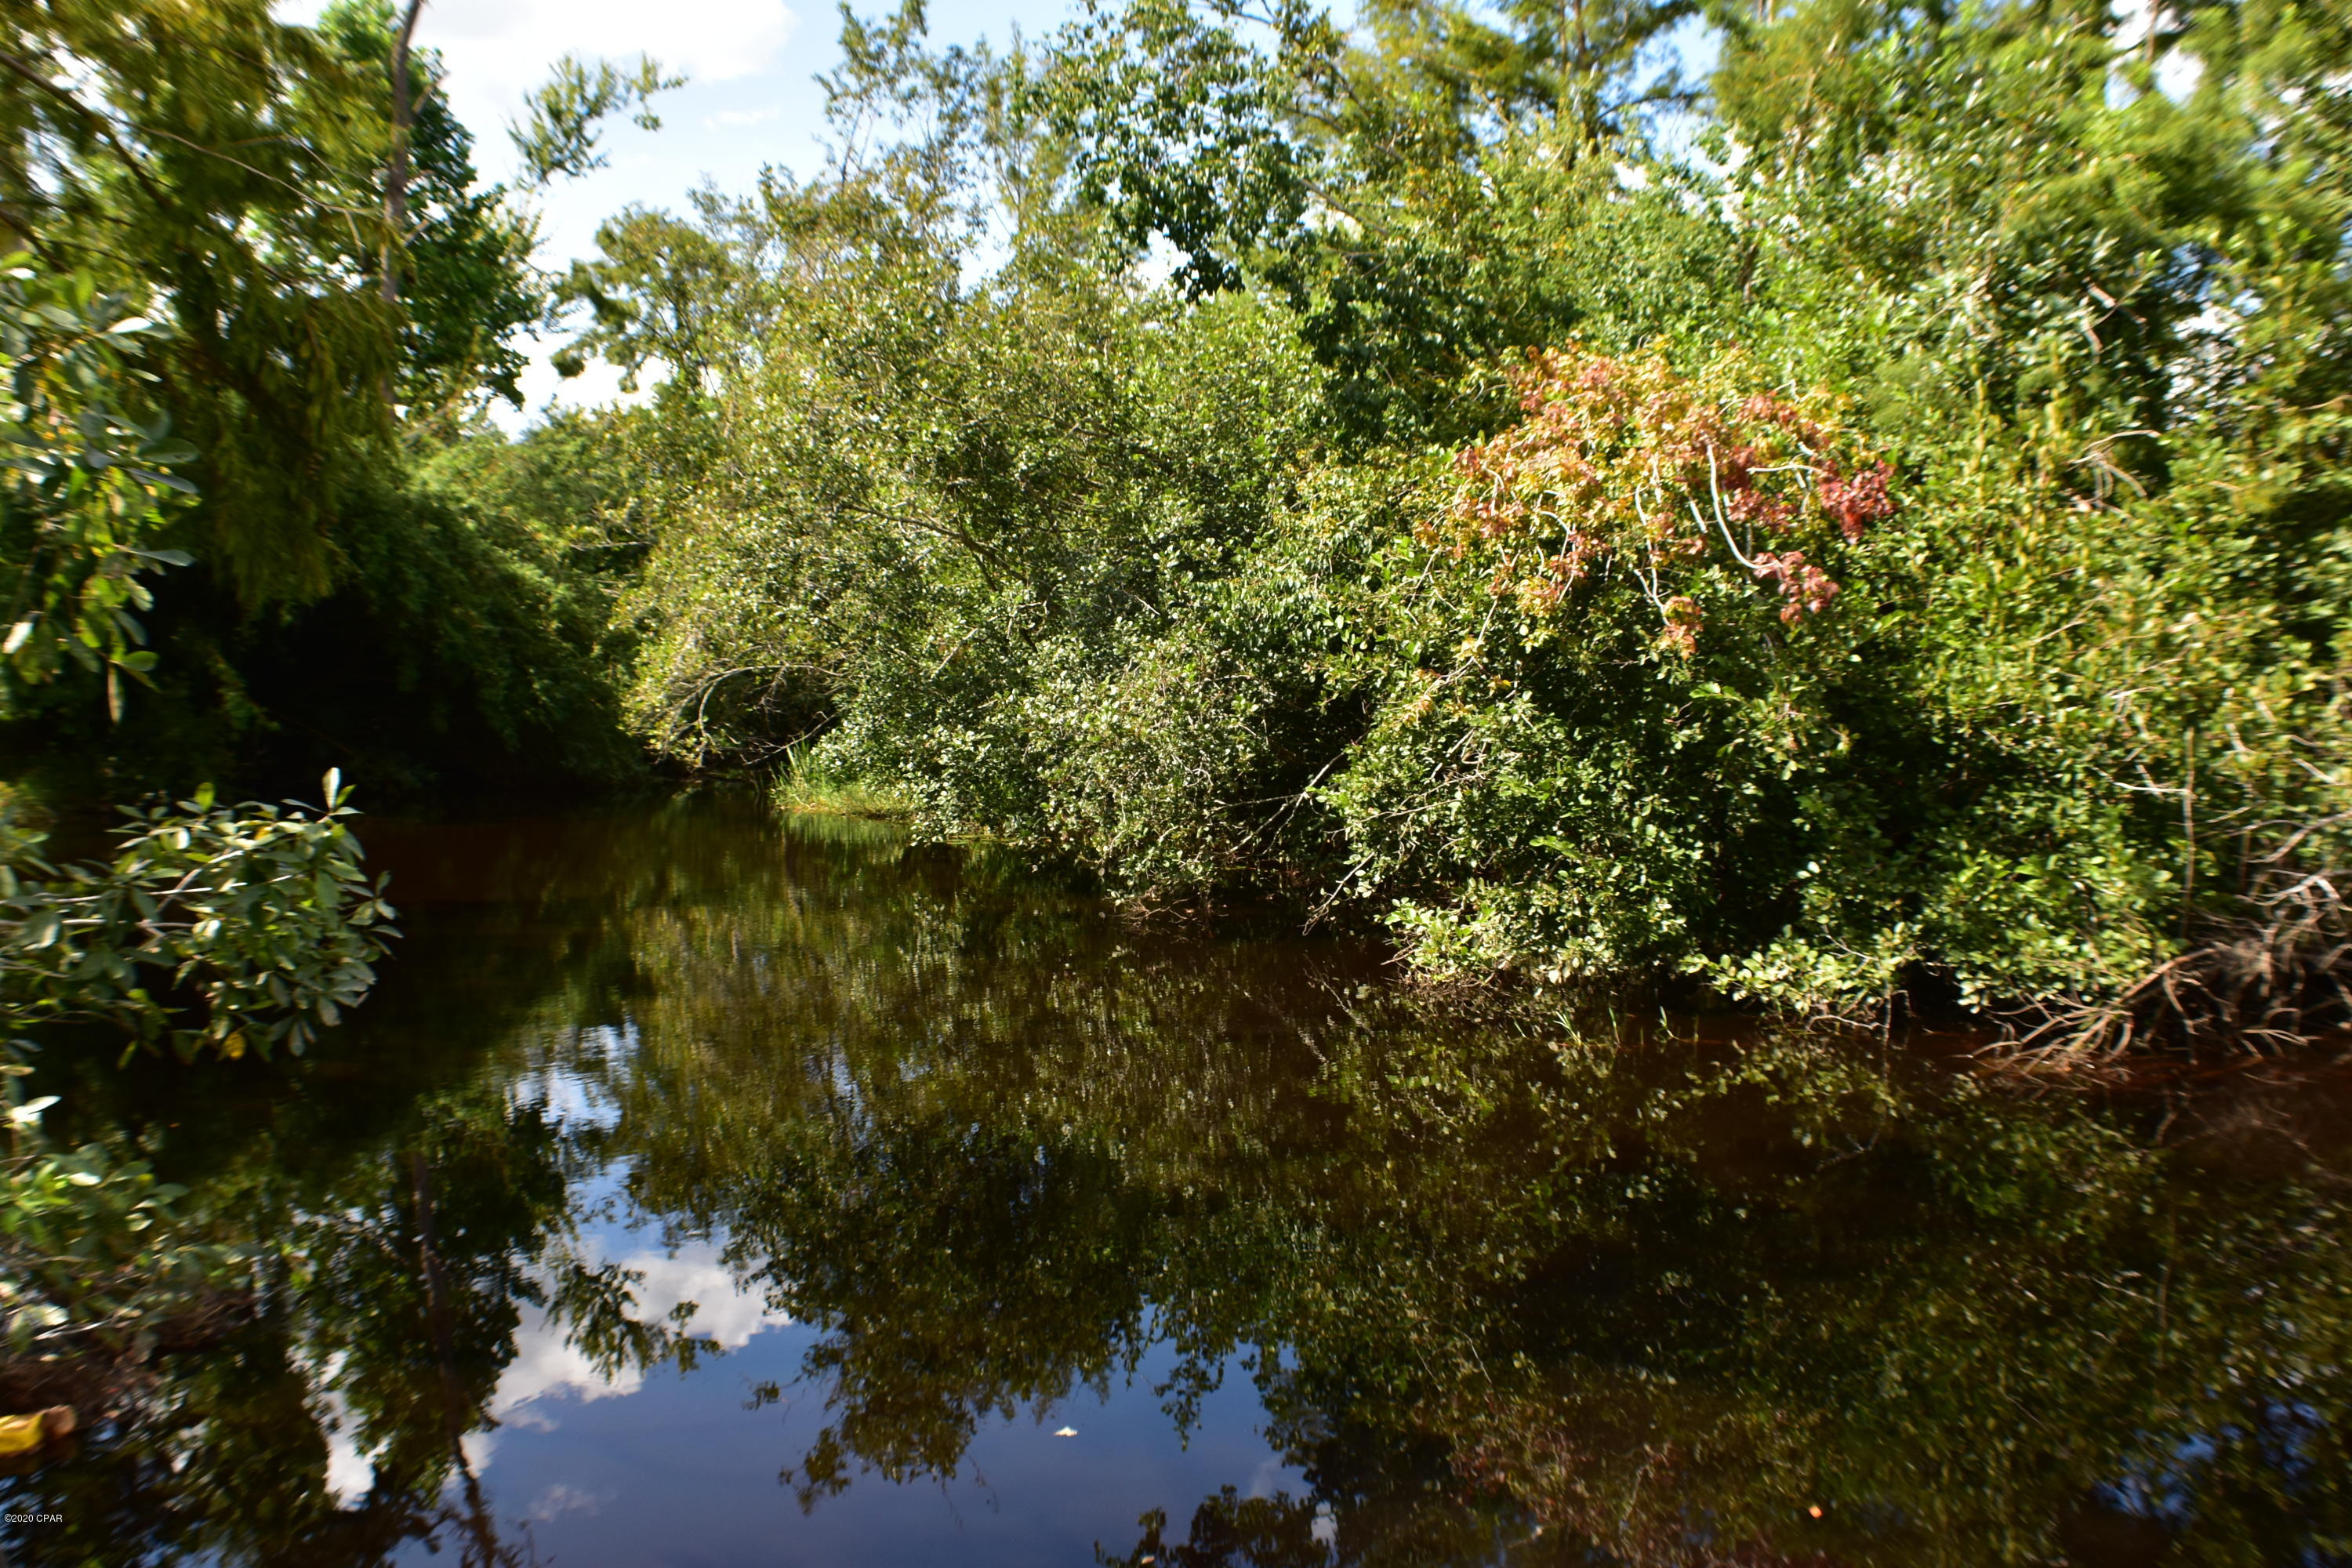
x,y
1628,460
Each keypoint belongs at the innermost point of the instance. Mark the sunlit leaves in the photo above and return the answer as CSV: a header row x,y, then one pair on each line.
x,y
559,137
86,490
260,916
1630,465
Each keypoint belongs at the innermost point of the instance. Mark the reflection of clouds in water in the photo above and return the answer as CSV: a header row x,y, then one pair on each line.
x,y
723,1310
559,1500
351,1469
546,1366
547,1370
1267,1478
556,1080
350,1472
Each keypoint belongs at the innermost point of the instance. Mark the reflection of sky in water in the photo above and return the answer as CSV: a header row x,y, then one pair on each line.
x,y
1942,1319
664,1467
568,1096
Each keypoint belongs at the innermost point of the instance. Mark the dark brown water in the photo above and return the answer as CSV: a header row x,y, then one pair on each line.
x,y
701,1189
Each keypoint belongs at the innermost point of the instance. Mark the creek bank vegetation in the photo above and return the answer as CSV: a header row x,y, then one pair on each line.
x,y
1867,525
1860,524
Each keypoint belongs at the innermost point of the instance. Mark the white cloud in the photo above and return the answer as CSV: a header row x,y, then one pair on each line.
x,y
724,1311
737,119
559,1500
498,50
712,41
547,1371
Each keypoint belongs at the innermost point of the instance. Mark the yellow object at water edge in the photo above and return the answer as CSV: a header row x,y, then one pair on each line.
x,y
23,1434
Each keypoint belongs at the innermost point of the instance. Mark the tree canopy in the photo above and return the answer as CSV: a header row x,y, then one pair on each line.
x,y
1863,521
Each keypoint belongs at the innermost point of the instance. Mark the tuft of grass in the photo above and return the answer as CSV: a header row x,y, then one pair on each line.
x,y
807,784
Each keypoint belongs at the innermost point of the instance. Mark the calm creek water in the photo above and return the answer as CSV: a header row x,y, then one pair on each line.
x,y
703,1189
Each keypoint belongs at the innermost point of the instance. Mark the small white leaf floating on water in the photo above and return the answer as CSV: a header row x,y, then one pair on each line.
x,y
1067,1432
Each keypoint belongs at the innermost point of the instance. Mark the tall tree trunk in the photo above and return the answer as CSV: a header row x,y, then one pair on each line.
x,y
395,177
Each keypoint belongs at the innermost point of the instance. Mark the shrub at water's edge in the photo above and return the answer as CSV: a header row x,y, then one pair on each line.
x,y
1899,553
211,931
1865,528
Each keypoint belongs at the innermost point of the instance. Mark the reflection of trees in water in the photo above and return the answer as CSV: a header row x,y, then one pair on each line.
x,y
390,1305
1661,1307
1499,1301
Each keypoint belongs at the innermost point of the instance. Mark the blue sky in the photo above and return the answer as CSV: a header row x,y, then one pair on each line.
x,y
750,102
751,99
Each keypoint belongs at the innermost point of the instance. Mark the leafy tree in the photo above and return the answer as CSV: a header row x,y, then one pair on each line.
x,y
205,154
2042,715
339,297
456,256
87,499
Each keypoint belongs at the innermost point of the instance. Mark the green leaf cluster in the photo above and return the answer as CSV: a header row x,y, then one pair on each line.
x,y
258,918
88,493
1064,459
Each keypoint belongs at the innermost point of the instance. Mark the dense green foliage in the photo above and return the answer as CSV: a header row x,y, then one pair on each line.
x,y
1877,523
1867,524
335,299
